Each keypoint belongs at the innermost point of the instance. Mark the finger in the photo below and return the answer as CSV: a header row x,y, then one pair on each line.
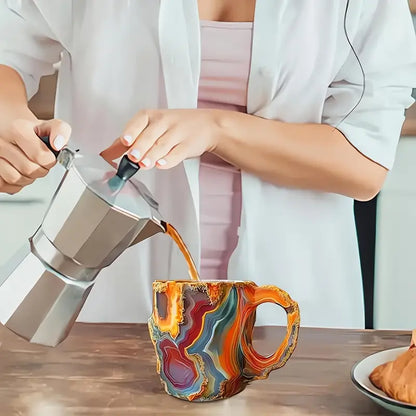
x,y
58,132
26,137
117,149
177,155
15,156
9,189
135,126
128,137
144,142
160,149
11,176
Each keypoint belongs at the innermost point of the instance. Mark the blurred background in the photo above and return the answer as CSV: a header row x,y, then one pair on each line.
x,y
386,226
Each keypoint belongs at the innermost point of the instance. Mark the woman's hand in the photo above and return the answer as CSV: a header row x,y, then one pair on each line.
x,y
23,156
164,138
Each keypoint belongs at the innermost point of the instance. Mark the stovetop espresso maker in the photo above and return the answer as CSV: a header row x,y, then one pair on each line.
x,y
96,213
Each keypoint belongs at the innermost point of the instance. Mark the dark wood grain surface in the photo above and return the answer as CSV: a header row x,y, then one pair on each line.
x,y
109,369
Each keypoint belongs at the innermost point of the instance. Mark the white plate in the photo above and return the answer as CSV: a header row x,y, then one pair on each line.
x,y
360,376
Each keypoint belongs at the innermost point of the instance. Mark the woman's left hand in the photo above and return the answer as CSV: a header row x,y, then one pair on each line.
x,y
164,138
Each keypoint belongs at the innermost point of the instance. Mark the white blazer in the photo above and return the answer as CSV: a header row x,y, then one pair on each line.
x,y
120,56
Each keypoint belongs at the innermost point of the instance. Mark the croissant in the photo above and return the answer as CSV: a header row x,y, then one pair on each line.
x,y
398,378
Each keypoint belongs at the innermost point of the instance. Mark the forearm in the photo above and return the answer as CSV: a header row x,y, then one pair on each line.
x,y
13,100
305,156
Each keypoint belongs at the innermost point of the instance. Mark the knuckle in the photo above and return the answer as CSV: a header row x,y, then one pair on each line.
x,y
41,173
30,171
175,155
143,114
159,144
15,179
10,176
151,154
15,190
49,161
43,157
160,147
156,115
145,140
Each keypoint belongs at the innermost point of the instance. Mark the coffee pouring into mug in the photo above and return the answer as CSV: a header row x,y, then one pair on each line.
x,y
97,212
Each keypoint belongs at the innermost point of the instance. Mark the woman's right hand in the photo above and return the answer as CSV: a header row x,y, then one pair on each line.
x,y
23,156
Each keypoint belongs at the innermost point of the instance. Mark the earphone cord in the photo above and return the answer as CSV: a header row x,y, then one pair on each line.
x,y
358,60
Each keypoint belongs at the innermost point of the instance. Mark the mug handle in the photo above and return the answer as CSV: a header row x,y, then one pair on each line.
x,y
258,366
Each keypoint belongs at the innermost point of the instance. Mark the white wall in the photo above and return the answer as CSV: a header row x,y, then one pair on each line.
x,y
395,268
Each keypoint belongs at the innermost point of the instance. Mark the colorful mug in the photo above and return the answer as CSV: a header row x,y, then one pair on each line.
x,y
202,334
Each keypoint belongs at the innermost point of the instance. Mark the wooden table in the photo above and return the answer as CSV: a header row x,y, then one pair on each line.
x,y
109,369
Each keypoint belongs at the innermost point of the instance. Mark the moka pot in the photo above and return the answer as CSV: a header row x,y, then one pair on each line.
x,y
96,213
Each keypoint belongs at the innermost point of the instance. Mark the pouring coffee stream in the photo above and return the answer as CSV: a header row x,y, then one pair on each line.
x,y
173,233
96,213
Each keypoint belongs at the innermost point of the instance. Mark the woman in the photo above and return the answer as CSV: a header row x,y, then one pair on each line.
x,y
265,95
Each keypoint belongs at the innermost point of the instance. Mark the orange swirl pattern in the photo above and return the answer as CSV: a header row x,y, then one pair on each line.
x,y
202,333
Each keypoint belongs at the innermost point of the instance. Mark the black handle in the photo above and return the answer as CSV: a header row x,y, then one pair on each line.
x,y
127,168
47,141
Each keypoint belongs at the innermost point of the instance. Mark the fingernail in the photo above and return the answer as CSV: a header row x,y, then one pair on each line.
x,y
146,162
128,139
161,162
59,142
136,154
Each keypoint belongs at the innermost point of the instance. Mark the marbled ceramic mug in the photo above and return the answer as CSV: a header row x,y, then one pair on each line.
x,y
202,334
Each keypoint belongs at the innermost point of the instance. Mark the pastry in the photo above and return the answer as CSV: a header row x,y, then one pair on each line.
x,y
398,378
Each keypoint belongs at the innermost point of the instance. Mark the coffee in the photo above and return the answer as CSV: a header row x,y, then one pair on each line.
x,y
173,233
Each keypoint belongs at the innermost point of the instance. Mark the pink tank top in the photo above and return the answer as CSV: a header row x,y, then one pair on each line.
x,y
225,66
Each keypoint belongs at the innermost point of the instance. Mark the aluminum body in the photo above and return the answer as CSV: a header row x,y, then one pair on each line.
x,y
86,227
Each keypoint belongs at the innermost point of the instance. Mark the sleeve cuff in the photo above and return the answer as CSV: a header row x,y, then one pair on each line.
x,y
378,144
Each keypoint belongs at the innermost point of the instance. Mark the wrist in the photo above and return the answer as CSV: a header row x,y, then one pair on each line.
x,y
226,128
